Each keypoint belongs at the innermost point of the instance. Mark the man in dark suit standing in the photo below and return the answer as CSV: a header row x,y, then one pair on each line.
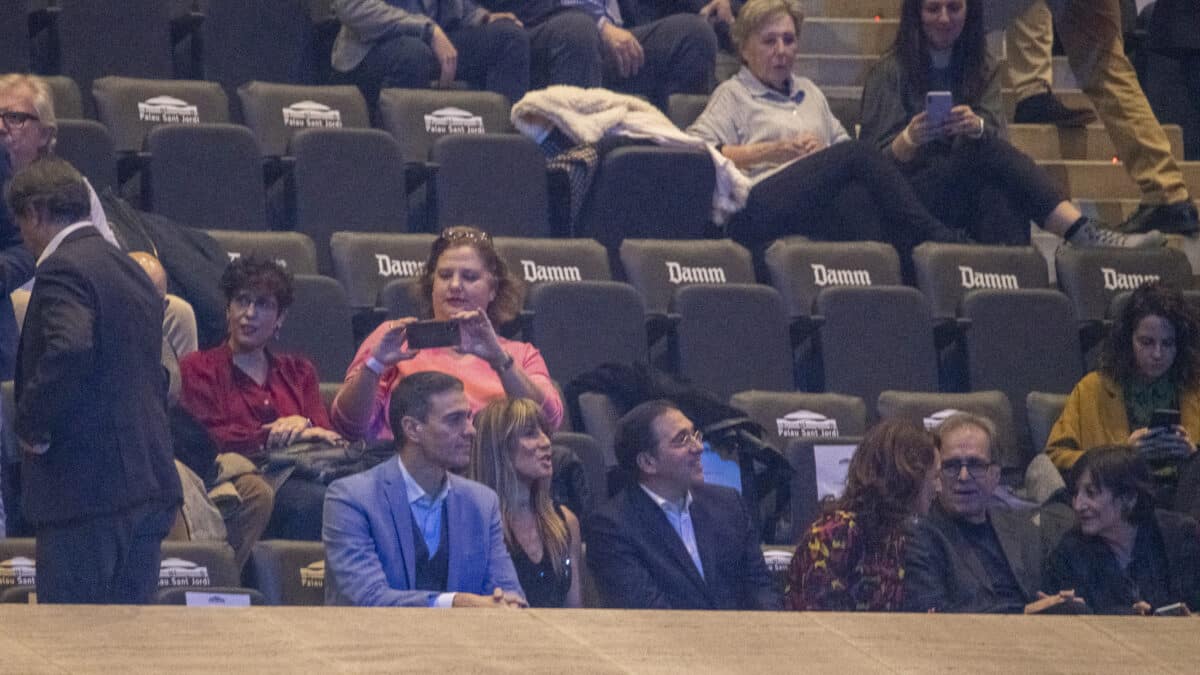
x,y
669,541
99,483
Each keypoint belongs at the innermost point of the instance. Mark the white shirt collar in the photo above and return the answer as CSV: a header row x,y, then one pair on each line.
x,y
666,505
58,238
416,492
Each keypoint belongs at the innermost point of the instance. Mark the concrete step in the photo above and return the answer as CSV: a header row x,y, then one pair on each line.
x,y
852,69
849,37
888,9
1106,180
1046,142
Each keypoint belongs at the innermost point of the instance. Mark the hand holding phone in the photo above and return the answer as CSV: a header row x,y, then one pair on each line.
x,y
937,107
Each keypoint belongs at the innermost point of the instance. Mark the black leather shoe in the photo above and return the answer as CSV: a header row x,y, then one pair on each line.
x,y
1176,218
1047,109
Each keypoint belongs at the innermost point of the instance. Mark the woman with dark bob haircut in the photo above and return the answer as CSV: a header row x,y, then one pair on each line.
x,y
1124,556
465,281
852,558
1148,363
252,400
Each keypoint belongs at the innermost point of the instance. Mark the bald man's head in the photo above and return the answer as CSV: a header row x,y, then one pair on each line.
x,y
153,269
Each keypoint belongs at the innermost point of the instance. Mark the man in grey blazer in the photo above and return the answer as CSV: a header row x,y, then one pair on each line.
x,y
410,533
409,43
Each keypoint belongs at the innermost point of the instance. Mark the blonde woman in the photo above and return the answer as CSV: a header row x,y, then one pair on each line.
x,y
512,456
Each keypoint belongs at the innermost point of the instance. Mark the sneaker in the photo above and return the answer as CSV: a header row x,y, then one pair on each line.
x,y
1045,108
1176,218
1091,236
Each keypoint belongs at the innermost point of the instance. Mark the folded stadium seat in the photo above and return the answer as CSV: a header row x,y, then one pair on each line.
x,y
18,559
683,109
68,101
209,596
1042,410
801,454
95,41
594,469
496,182
206,175
366,262
928,410
785,415
14,36
732,337
289,572
579,325
197,564
88,147
1021,341
398,299
267,40
292,250
417,118
347,179
875,338
276,112
535,260
648,191
319,326
656,267
1091,278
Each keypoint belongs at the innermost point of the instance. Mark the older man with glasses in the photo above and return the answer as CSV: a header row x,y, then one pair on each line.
x,y
668,541
968,556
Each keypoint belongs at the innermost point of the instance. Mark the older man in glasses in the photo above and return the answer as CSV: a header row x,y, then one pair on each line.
x,y
668,541
968,556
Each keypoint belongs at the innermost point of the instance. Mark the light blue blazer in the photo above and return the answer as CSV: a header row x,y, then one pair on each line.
x,y
369,545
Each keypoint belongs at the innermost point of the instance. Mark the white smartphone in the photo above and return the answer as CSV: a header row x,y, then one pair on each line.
x,y
937,107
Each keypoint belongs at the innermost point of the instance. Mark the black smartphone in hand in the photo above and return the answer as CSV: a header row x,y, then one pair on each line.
x,y
1164,418
429,334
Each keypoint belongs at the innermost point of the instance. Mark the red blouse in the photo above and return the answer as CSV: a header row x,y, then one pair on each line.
x,y
233,407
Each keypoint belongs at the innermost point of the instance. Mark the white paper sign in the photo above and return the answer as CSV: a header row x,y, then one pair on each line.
x,y
833,462
202,599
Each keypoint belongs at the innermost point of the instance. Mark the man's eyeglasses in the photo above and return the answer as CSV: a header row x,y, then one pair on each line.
x,y
976,469
684,438
15,119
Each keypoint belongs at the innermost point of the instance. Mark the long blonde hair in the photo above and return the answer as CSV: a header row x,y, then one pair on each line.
x,y
499,428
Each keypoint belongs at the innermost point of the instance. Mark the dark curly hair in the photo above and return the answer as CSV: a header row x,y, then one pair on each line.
x,y
969,65
1117,360
257,273
509,289
885,476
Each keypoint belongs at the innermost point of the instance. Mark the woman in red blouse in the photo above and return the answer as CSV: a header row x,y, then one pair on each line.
x,y
852,556
252,400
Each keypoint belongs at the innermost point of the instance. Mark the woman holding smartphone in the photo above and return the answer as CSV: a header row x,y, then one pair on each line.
x,y
1150,362
958,162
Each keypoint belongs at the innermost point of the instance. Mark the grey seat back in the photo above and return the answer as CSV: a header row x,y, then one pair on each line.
x,y
197,564
683,109
68,100
267,40
801,268
496,182
276,112
131,107
292,250
1043,410
290,572
18,560
718,322
535,260
946,272
208,176
600,414
594,470
399,298
1092,277
417,118
319,326
801,454
788,415
365,262
657,267
928,410
87,145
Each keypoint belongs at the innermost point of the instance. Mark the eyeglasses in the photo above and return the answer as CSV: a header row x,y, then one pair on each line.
x,y
262,303
975,469
684,438
15,119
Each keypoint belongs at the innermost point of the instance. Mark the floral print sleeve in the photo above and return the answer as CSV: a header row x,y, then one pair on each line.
x,y
833,569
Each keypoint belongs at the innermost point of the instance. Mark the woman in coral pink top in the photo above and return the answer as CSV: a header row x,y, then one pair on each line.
x,y
464,281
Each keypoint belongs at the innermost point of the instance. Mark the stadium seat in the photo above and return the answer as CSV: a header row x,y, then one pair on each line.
x,y
683,109
1018,342
347,179
95,41
579,325
364,262
1190,296
267,40
293,250
801,454
800,268
787,415
588,452
319,326
946,272
19,595
535,260
598,414
207,175
398,299
496,182
929,409
648,191
197,564
289,572
68,101
1091,277
131,107
209,596
18,562
876,338
14,36
657,267
276,112
1043,410
417,118
88,147
727,324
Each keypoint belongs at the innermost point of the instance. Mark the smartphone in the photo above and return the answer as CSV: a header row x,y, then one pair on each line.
x,y
1173,609
937,107
427,334
1164,418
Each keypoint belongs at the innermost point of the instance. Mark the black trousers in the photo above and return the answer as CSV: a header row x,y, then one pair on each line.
x,y
299,506
105,560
